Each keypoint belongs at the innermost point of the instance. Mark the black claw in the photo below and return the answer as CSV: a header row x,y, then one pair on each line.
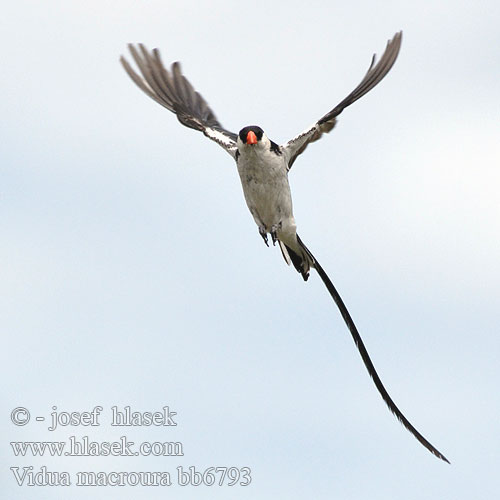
x,y
274,237
263,233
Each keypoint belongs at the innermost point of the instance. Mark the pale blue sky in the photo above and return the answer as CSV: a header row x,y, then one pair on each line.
x,y
134,274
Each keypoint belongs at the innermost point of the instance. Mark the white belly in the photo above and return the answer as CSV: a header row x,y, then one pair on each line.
x,y
265,185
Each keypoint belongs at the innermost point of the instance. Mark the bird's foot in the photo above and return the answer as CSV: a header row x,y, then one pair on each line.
x,y
263,233
274,237
274,231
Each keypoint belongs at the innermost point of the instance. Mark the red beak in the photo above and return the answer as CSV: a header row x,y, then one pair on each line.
x,y
251,138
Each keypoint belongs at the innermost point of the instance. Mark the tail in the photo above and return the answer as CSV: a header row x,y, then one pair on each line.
x,y
302,264
301,258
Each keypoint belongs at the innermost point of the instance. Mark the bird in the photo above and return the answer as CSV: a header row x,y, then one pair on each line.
x,y
263,167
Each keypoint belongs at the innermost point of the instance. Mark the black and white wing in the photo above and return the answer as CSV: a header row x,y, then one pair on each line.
x,y
374,75
173,91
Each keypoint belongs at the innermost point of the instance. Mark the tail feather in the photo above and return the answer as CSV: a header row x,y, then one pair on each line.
x,y
284,252
301,263
302,259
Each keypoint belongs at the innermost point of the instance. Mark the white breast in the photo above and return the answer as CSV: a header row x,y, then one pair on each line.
x,y
264,178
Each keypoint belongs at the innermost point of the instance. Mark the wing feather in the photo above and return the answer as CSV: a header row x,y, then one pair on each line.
x,y
376,72
173,90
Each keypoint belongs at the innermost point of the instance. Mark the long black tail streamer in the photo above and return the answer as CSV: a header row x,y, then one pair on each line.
x,y
366,358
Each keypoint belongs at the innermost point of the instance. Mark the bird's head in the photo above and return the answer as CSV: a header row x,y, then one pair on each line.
x,y
252,136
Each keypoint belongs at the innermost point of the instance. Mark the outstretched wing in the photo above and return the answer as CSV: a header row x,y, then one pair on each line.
x,y
173,91
374,75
